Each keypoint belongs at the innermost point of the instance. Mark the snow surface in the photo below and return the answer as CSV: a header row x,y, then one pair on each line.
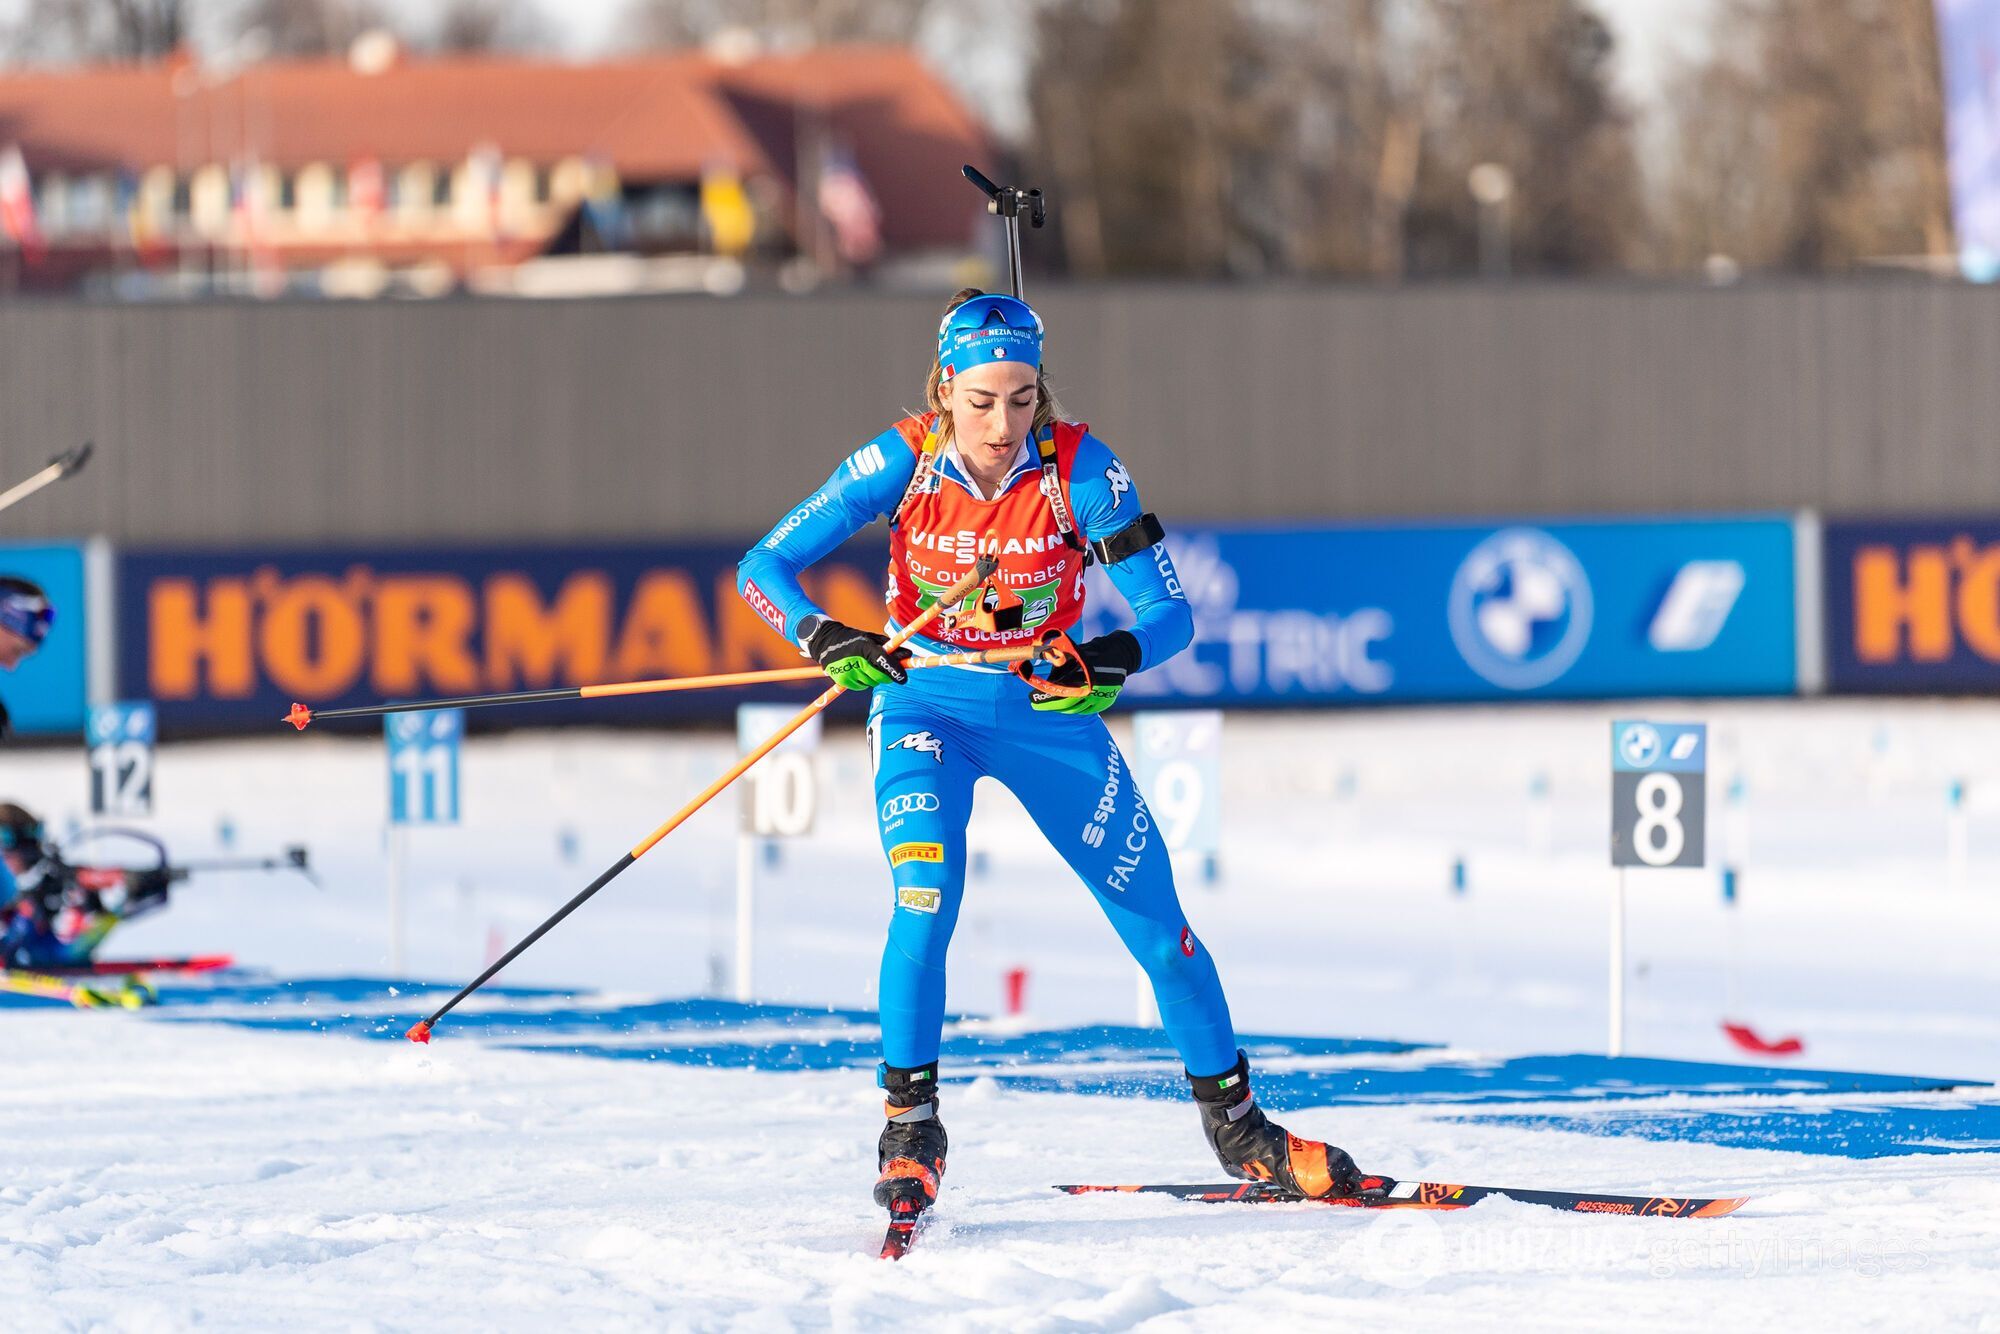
x,y
169,1175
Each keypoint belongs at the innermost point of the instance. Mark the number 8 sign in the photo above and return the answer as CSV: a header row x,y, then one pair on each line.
x,y
1659,798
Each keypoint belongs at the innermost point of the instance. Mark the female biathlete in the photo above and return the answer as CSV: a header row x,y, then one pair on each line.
x,y
992,469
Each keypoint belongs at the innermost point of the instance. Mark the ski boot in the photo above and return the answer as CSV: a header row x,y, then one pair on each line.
x,y
912,1148
1252,1147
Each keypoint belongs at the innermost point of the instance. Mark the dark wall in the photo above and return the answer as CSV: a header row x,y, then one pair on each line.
x,y
500,421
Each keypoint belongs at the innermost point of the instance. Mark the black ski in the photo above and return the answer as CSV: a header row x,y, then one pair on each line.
x,y
1439,1195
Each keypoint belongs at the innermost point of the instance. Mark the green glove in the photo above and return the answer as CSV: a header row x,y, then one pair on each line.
x,y
857,659
1111,658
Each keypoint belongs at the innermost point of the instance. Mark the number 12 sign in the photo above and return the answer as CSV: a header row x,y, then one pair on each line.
x,y
423,766
1659,793
121,758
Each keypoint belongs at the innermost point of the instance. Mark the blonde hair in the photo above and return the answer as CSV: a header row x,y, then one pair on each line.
x,y
1047,409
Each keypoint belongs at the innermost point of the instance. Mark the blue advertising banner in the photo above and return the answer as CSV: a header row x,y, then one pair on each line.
x,y
228,640
44,695
1394,613
1913,605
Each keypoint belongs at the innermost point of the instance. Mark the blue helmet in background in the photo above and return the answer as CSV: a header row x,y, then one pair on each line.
x,y
25,609
988,328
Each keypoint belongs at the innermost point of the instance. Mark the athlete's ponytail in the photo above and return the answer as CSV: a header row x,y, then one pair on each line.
x,y
1047,410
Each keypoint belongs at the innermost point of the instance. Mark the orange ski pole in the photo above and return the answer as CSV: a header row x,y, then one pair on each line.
x,y
981,572
301,715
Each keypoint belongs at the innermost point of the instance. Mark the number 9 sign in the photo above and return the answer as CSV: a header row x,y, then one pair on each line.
x,y
1659,793
1177,761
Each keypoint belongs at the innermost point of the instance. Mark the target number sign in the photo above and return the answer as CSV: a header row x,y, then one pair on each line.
x,y
121,758
423,765
781,798
1659,794
1177,762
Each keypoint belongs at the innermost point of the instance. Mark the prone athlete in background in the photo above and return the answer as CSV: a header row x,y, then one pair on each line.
x,y
25,617
55,913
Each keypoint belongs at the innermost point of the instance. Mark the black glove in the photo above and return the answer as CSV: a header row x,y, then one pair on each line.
x,y
856,659
1111,658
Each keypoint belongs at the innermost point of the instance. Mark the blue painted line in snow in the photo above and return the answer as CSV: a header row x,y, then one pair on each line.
x,y
729,1035
967,1055
1845,1130
1520,1079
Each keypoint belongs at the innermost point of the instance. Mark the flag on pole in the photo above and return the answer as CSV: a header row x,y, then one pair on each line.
x,y
367,190
1969,32
725,210
849,205
17,204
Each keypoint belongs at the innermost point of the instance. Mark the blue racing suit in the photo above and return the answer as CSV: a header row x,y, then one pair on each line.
x,y
934,736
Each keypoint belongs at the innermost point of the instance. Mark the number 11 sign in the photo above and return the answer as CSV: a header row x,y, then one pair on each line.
x,y
423,766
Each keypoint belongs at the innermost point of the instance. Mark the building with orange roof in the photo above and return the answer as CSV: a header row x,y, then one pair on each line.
x,y
398,173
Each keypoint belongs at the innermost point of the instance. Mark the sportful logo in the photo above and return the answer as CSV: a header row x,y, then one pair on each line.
x,y
763,605
1697,606
866,461
922,742
1107,802
1121,481
909,803
791,521
1520,609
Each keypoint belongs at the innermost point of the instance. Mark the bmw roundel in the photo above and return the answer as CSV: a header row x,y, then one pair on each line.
x,y
1520,608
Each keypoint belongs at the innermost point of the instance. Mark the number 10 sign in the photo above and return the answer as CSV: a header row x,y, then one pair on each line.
x,y
1659,798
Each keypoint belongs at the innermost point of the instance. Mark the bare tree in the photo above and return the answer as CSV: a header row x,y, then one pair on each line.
x,y
1811,138
780,23
1329,136
98,30
491,25
1526,87
309,27
1144,117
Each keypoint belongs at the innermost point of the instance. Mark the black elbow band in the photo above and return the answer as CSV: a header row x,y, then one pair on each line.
x,y
1142,534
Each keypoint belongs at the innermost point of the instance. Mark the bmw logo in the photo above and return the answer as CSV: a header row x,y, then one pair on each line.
x,y
1520,609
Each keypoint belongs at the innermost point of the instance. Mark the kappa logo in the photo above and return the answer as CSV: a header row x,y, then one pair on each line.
x,y
909,803
921,742
919,900
866,461
1121,481
915,852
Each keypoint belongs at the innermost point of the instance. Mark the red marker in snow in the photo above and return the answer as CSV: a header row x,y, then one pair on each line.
x,y
1746,1038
